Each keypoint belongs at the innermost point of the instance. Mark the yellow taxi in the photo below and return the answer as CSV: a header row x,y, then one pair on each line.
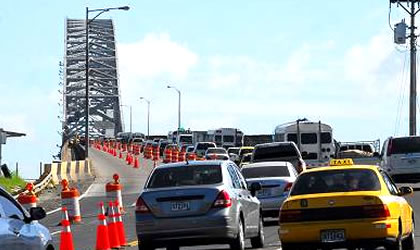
x,y
346,205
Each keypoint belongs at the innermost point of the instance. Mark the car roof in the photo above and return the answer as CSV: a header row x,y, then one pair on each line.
x,y
344,167
247,147
267,164
274,144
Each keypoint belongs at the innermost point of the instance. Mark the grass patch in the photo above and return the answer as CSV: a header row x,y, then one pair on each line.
x,y
13,184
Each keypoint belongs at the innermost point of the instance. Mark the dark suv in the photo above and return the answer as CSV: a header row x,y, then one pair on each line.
x,y
279,151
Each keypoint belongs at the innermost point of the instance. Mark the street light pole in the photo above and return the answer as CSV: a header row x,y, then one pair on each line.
x,y
87,22
148,116
179,105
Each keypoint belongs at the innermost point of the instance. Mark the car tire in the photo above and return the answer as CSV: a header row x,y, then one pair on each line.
x,y
409,242
146,246
258,241
239,242
397,245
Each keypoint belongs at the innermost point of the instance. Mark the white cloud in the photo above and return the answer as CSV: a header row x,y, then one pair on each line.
x,y
156,54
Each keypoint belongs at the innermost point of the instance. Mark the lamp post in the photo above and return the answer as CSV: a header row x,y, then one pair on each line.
x,y
87,22
148,116
131,116
179,104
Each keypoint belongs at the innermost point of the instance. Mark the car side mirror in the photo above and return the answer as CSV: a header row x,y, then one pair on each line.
x,y
405,191
37,213
255,186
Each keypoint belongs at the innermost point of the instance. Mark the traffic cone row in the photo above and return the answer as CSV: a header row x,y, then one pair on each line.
x,y
112,234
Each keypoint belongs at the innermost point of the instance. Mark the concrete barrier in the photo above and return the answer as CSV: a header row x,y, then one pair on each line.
x,y
71,170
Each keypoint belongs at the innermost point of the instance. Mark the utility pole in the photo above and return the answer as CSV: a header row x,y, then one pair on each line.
x,y
400,39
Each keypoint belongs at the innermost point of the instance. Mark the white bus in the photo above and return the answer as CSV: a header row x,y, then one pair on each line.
x,y
314,139
226,137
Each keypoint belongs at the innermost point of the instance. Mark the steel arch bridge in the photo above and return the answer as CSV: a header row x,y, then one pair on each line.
x,y
104,94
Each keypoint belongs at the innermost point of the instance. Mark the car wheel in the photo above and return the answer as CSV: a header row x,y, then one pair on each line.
x,y
258,241
397,245
239,242
146,246
409,242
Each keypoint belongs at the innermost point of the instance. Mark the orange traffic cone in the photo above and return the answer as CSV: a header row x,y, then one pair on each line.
x,y
120,225
136,162
114,240
114,152
66,239
120,156
102,236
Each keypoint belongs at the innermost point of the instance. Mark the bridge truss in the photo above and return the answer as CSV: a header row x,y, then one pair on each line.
x,y
104,101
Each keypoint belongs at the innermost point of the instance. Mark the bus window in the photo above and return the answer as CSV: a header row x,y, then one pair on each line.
x,y
279,137
292,137
308,138
326,137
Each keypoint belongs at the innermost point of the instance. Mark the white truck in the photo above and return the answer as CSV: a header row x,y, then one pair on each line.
x,y
226,137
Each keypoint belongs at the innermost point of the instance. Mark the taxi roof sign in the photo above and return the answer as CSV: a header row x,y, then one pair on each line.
x,y
341,162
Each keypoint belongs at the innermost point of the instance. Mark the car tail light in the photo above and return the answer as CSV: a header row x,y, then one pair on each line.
x,y
223,200
141,207
389,151
288,187
376,211
294,215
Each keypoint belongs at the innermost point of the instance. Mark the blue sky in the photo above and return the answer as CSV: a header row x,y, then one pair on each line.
x,y
247,64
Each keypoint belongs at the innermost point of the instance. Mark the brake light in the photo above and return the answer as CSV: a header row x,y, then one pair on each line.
x,y
223,200
376,211
294,215
389,150
288,187
141,206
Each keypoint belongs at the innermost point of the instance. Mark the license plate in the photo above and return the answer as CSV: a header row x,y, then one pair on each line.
x,y
180,206
337,235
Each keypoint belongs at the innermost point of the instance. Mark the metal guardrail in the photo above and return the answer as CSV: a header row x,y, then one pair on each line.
x,y
40,184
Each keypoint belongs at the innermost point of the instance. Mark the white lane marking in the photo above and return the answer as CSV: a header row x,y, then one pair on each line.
x,y
81,197
54,233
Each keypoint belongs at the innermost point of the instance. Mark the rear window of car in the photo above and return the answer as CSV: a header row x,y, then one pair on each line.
x,y
405,145
336,181
185,176
205,146
216,151
278,151
246,151
266,171
233,151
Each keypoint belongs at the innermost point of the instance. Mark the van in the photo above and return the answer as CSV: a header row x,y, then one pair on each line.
x,y
279,151
400,158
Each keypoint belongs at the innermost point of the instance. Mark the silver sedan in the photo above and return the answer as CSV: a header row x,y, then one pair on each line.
x,y
276,179
197,203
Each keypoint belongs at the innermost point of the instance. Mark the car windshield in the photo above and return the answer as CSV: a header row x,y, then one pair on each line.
x,y
190,149
216,151
336,181
185,176
233,151
265,171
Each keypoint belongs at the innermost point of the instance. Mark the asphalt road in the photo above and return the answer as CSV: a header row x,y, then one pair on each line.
x,y
105,166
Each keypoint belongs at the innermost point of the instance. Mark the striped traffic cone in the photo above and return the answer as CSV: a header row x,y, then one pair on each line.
x,y
66,239
102,236
120,225
114,240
